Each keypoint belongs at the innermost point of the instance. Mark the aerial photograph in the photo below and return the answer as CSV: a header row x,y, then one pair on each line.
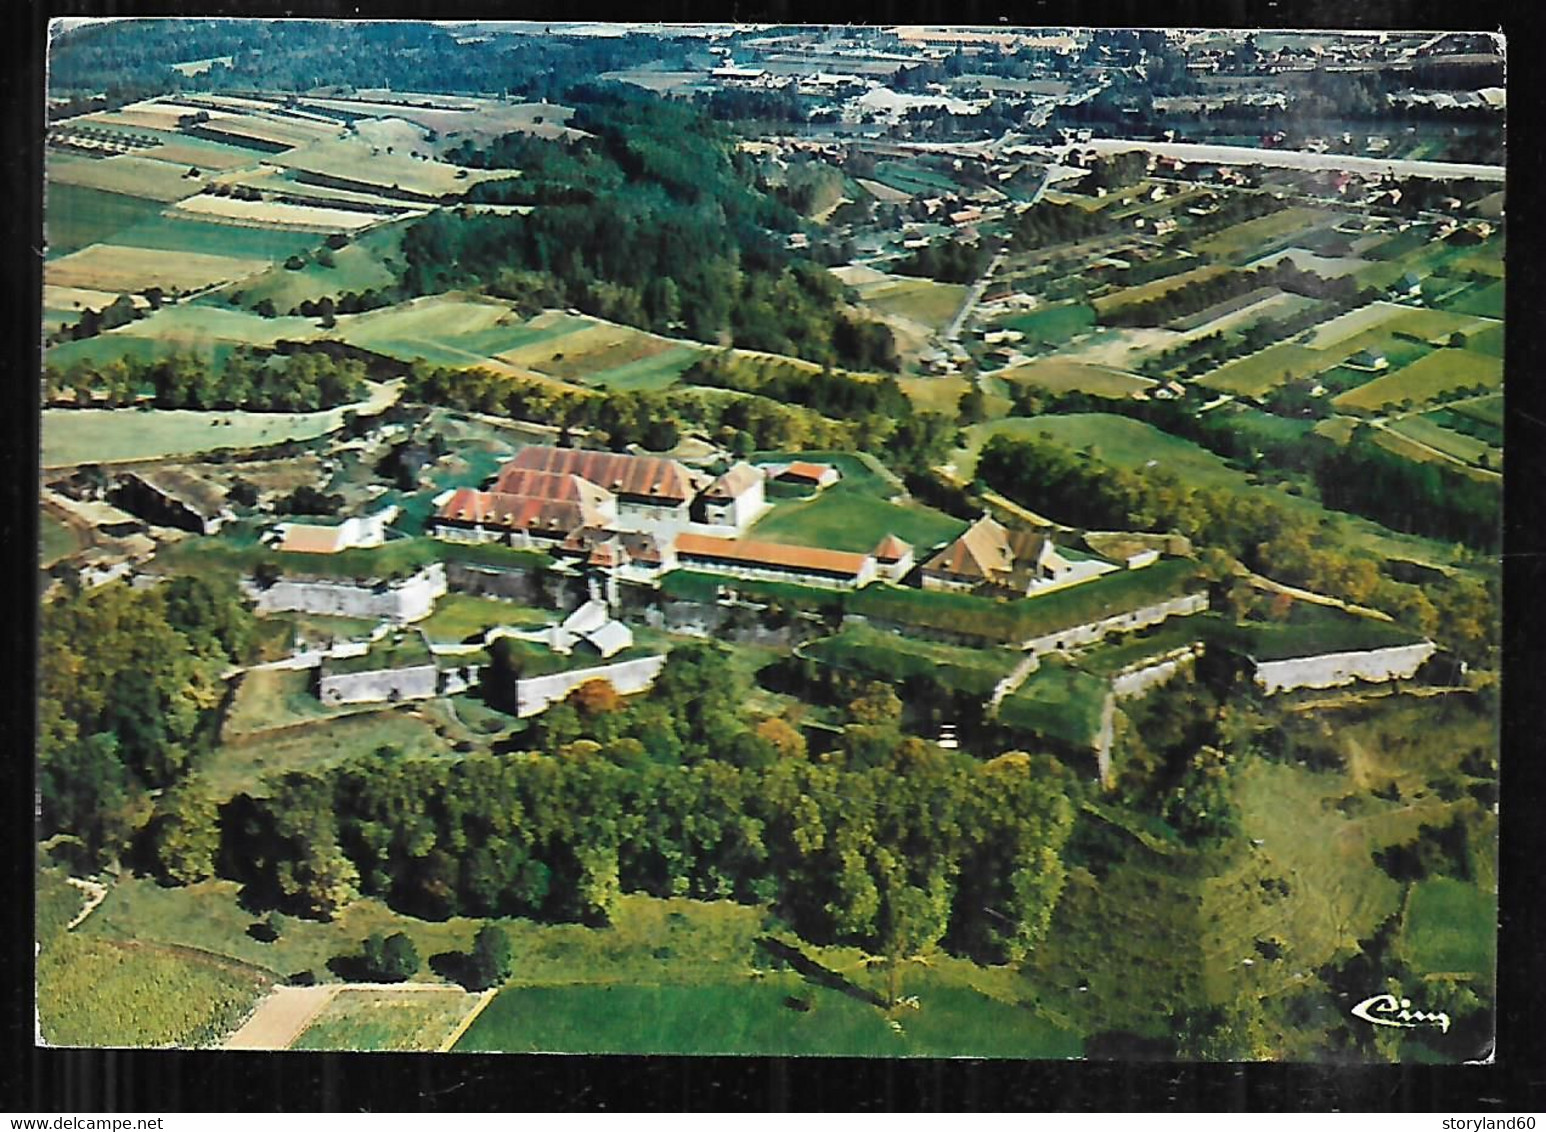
x,y
855,541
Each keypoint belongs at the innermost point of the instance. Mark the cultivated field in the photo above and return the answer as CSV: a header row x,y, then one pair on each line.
x,y
1442,371
1060,376
382,1020
1257,373
1244,238
354,162
1127,296
922,301
111,267
130,174
273,214
1117,440
76,216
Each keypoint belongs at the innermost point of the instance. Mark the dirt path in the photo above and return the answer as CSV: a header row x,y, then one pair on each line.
x,y
472,1016
285,1013
95,894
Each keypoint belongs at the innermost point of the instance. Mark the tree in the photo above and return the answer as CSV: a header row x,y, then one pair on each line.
x,y
392,959
185,834
491,960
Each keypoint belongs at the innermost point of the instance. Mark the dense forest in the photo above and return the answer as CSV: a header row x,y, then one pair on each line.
x,y
656,221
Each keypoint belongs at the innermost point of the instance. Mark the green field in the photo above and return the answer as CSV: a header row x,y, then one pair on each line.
x,y
78,216
1257,373
1143,292
181,234
195,326
356,267
924,301
1440,372
379,1020
1052,325
273,698
647,373
1310,630
1062,376
1486,300
241,765
1450,928
57,539
889,657
79,436
1121,441
757,1017
1107,660
1466,449
462,617
844,517
1057,702
1248,238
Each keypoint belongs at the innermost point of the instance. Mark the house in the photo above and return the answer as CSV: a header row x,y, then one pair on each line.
x,y
775,562
317,538
1370,361
734,499
893,558
989,555
1408,286
801,473
591,624
633,554
172,497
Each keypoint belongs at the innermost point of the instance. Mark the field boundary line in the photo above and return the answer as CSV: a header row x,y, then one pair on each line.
x,y
472,1016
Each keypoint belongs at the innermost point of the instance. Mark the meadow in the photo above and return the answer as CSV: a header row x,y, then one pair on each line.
x,y
1059,376
386,1020
462,617
893,658
1122,441
1443,371
1450,928
1051,325
1057,702
78,216
120,268
1143,292
923,301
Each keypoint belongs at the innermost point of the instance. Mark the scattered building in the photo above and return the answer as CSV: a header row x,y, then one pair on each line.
x,y
990,557
172,497
802,473
736,499
318,538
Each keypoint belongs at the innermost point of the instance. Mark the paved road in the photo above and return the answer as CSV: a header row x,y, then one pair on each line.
x,y
1293,159
973,297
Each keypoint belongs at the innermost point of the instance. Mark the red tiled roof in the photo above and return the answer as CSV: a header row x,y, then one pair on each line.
x,y
306,539
891,549
804,470
749,552
515,512
636,477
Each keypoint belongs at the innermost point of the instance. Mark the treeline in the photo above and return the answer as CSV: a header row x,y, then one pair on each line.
x,y
128,683
1046,224
250,378
656,221
948,261
1191,298
1267,534
831,394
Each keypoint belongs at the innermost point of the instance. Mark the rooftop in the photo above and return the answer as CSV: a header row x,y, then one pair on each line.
x,y
752,552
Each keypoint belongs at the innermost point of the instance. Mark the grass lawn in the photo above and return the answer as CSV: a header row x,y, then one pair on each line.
x,y
1486,300
1106,660
847,517
77,215
462,617
1058,702
242,765
271,698
378,1020
1439,372
1309,631
889,657
57,539
758,1017
97,992
1450,928
1054,324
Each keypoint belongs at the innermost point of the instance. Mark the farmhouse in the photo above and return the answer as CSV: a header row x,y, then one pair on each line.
x,y
317,538
775,562
1014,563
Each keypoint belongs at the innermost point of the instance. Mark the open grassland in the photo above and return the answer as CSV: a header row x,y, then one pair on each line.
x,y
378,1020
935,394
185,235
273,698
923,301
1310,630
1450,928
1058,702
854,516
1245,238
56,540
654,372
194,325
360,266
197,153
461,617
452,329
1059,376
893,658
76,216
101,436
110,267
779,1014
1442,371
1487,410
1127,296
588,349
241,764
1122,441
98,992
130,174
